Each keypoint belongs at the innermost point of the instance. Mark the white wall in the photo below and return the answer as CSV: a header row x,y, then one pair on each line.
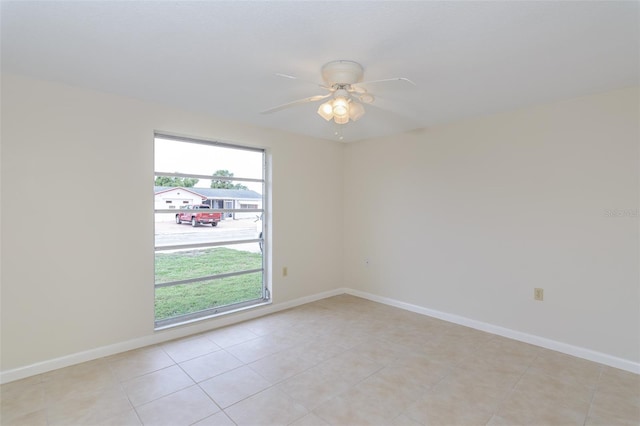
x,y
72,281
501,205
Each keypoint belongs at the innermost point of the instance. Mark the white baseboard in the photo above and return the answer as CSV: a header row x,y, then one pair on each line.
x,y
251,313
565,348
157,337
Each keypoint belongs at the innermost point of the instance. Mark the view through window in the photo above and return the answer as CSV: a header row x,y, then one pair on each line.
x,y
209,228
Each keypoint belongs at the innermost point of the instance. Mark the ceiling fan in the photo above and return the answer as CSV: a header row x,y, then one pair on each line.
x,y
343,80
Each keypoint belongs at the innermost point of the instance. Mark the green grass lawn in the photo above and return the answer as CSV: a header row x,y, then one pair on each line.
x,y
187,298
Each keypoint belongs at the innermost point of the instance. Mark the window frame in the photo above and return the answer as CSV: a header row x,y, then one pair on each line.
x,y
262,240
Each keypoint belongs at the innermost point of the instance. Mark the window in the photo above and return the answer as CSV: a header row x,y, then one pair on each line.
x,y
209,258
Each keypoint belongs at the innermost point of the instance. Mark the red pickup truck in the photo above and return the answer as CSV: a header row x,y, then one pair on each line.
x,y
197,215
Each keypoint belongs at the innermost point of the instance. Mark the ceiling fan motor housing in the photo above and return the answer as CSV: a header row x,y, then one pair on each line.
x,y
342,73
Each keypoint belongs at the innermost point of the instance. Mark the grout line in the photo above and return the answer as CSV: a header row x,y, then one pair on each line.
x,y
511,391
593,395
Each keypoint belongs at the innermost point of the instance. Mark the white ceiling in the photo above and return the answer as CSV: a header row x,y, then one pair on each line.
x,y
220,58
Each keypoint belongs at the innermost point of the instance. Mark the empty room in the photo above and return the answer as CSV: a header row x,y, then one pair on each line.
x,y
320,213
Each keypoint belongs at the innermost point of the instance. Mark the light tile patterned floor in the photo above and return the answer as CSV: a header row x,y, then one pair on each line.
x,y
338,361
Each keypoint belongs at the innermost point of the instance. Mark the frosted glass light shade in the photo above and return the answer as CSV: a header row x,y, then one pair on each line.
x,y
341,107
341,119
326,110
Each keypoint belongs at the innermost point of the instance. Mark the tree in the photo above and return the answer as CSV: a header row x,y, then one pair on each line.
x,y
224,183
176,181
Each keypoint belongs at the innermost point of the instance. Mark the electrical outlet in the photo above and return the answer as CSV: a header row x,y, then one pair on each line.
x,y
285,271
538,294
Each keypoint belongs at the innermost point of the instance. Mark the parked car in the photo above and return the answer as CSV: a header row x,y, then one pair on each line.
x,y
197,214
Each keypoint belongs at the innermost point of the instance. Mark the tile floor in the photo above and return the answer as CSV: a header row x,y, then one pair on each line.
x,y
338,361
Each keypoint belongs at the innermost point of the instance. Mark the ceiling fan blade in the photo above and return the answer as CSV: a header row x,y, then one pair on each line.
x,y
388,80
290,77
298,102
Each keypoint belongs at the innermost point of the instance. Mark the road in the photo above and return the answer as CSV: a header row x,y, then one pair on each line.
x,y
170,233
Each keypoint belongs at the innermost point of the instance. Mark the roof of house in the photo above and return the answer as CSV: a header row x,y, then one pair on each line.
x,y
160,189
241,194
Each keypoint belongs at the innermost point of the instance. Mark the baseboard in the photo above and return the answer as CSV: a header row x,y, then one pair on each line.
x,y
555,345
159,337
223,321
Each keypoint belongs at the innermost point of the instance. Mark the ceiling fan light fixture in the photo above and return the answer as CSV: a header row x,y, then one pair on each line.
x,y
341,110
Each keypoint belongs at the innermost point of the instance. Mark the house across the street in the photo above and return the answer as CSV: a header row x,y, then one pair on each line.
x,y
167,197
